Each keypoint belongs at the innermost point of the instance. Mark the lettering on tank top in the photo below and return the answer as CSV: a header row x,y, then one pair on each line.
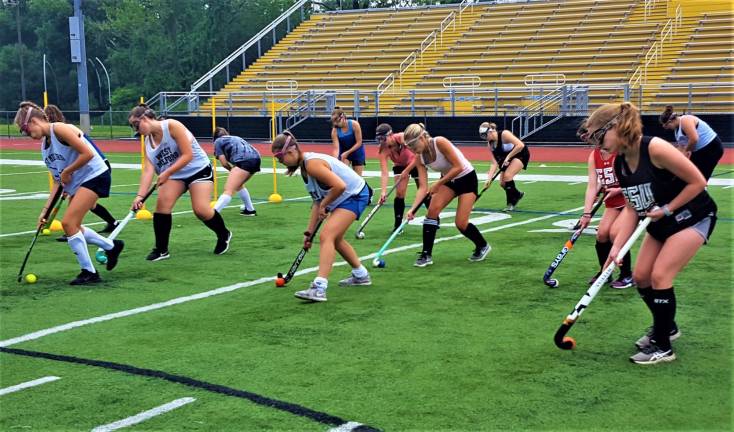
x,y
640,196
165,157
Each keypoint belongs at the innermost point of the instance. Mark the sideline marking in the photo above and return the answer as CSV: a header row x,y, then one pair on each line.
x,y
288,407
145,415
129,312
28,384
346,427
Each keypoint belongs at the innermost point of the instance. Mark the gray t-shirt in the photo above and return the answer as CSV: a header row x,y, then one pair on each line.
x,y
234,149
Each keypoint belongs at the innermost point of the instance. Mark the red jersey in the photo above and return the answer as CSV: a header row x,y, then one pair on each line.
x,y
607,178
399,154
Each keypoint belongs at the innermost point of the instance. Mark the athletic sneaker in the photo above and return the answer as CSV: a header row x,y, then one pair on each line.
x,y
653,355
223,244
480,253
312,294
509,208
353,280
423,260
114,253
109,228
156,255
596,276
646,341
622,283
86,278
245,212
62,238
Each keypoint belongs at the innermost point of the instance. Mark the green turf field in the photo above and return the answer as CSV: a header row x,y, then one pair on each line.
x,y
456,346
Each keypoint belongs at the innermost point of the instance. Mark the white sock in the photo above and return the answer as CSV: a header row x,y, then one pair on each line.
x,y
321,283
79,246
360,271
92,237
222,202
245,195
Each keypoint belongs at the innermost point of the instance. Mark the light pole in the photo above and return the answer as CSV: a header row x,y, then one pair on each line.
x,y
53,72
109,91
99,81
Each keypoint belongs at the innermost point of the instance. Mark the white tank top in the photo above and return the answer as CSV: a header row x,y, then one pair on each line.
x,y
167,152
442,165
58,156
704,131
354,182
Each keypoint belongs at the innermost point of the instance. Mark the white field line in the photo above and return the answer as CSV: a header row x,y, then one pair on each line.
x,y
346,427
145,415
23,173
72,325
28,384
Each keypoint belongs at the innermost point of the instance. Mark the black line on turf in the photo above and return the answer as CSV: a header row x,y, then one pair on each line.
x,y
288,407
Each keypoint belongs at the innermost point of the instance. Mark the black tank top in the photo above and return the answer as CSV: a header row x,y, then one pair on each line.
x,y
649,186
499,152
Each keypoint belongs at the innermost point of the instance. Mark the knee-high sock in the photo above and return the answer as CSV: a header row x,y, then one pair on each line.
x,y
429,235
216,224
399,208
602,251
245,196
104,214
472,233
92,237
79,246
162,228
511,191
626,267
663,314
222,202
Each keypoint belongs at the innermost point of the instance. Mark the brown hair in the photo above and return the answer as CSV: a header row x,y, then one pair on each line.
x,y
626,117
220,132
337,113
54,114
142,110
414,131
27,111
667,115
280,141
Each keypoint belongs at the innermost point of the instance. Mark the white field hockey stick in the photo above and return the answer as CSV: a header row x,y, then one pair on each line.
x,y
565,342
100,256
378,261
360,234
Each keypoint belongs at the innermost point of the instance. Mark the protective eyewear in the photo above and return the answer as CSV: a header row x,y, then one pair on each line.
x,y
596,138
135,125
484,132
382,138
280,154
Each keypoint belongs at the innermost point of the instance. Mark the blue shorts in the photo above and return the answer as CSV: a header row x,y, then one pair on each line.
x,y
357,158
356,203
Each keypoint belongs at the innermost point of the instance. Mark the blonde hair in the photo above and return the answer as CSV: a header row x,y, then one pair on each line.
x,y
282,140
27,111
626,116
415,131
337,113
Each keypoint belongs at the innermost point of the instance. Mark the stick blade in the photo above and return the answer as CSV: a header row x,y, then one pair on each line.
x,y
561,340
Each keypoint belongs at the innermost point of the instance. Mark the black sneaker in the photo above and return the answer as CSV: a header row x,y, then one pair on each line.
x,y
519,197
156,255
62,238
86,278
223,244
114,253
109,228
423,260
250,213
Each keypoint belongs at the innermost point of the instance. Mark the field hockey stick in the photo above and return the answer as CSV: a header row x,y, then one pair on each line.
x,y
484,189
565,342
360,234
299,258
553,283
46,214
55,212
378,261
100,255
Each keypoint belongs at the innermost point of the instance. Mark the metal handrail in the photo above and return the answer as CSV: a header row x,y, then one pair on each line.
x,y
462,7
291,85
462,82
558,79
410,60
382,86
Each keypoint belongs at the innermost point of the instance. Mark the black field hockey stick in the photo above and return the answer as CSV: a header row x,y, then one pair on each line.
x,y
565,342
301,254
120,226
360,231
46,214
553,283
484,189
55,211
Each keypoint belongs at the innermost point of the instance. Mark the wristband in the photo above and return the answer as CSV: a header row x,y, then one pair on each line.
x,y
666,210
307,233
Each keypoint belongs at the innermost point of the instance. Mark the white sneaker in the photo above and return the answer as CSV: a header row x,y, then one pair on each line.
x,y
312,294
653,355
353,280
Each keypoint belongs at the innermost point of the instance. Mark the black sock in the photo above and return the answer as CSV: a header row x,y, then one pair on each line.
x,y
104,214
399,207
663,313
602,251
429,235
162,228
472,233
508,193
216,224
625,270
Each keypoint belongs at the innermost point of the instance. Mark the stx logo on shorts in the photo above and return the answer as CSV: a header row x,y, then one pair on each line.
x,y
640,196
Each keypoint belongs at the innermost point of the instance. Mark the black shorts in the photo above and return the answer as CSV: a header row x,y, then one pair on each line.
x,y
250,165
708,157
666,227
466,184
203,175
100,184
399,170
524,157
